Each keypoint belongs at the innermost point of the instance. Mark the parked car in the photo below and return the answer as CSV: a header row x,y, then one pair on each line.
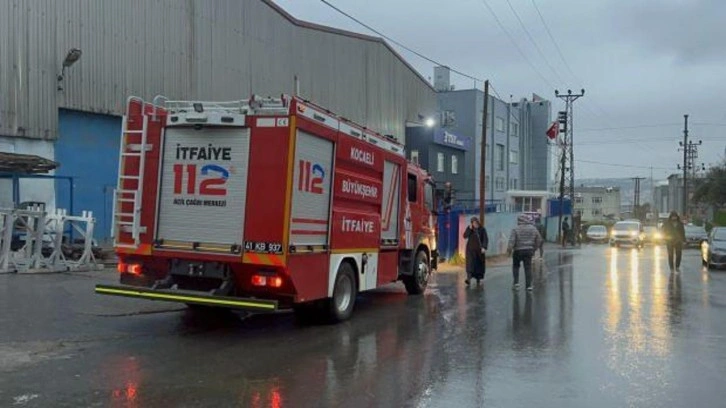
x,y
713,250
695,236
597,233
627,233
652,235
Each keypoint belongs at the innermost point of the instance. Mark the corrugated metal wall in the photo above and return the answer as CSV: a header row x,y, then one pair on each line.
x,y
194,49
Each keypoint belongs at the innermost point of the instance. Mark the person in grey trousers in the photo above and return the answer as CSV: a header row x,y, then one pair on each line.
x,y
524,240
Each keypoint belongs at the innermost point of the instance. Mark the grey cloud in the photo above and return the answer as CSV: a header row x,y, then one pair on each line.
x,y
691,31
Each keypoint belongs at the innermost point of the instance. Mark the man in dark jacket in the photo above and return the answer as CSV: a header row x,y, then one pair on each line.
x,y
565,232
523,241
477,243
675,236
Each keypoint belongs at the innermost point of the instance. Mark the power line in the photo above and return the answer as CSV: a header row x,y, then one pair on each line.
x,y
431,60
516,46
649,126
531,39
495,91
557,46
623,165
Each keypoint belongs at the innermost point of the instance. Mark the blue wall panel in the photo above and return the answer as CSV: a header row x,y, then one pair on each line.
x,y
87,149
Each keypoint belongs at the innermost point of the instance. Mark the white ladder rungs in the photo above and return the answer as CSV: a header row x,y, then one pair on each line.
x,y
138,147
131,154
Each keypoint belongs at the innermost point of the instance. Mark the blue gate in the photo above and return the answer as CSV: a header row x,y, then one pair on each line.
x,y
87,150
448,226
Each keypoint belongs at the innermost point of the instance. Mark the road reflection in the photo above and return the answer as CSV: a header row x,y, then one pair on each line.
x,y
294,365
127,370
642,309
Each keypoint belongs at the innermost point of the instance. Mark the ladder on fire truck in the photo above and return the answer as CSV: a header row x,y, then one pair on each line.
x,y
125,196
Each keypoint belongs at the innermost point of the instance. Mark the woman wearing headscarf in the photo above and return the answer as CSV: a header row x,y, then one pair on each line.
x,y
477,243
675,235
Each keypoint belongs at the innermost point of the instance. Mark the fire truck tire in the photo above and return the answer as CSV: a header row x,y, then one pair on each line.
x,y
417,281
340,306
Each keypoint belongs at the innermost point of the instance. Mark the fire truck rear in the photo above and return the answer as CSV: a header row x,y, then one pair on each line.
x,y
263,204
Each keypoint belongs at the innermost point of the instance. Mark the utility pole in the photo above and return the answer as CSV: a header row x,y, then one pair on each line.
x,y
690,154
563,161
568,151
636,198
483,160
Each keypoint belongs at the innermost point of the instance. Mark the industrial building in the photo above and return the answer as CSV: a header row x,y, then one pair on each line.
x,y
597,203
517,151
441,152
68,67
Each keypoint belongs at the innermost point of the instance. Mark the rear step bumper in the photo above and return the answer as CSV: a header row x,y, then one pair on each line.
x,y
186,296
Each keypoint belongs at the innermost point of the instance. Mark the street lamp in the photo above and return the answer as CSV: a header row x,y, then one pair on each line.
x,y
73,55
430,122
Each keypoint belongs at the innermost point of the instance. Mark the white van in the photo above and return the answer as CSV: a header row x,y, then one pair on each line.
x,y
627,233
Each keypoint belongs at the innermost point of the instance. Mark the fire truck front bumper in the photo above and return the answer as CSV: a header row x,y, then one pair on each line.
x,y
189,297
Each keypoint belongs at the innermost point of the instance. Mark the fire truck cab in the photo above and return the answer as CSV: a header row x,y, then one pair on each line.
x,y
263,204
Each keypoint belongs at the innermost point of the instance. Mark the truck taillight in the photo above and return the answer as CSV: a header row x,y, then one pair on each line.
x,y
134,269
274,282
266,280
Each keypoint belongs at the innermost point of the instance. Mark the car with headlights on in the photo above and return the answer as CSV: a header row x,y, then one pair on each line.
x,y
627,233
652,235
713,250
695,236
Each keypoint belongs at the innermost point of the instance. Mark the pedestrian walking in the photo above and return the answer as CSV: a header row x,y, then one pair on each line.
x,y
675,236
577,229
477,243
565,232
524,240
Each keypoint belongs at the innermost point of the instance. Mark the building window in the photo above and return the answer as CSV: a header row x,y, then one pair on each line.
x,y
578,200
414,156
596,212
513,157
440,162
513,184
486,186
454,164
514,130
499,123
500,157
597,200
412,188
499,184
449,119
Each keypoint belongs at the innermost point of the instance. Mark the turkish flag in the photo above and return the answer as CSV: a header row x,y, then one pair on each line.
x,y
553,130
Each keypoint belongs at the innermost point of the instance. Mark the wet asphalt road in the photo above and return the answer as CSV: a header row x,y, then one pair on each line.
x,y
603,328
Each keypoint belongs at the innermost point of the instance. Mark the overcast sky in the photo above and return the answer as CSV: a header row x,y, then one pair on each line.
x,y
643,65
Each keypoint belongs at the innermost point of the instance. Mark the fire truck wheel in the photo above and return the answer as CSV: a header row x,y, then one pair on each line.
x,y
340,306
417,281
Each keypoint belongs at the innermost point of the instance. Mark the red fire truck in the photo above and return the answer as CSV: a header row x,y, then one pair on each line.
x,y
263,204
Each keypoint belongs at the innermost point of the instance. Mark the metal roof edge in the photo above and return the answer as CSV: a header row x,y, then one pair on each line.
x,y
338,31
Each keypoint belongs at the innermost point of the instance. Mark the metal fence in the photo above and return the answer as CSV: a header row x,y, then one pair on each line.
x,y
33,240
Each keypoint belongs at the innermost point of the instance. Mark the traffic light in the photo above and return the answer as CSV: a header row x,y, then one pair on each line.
x,y
562,119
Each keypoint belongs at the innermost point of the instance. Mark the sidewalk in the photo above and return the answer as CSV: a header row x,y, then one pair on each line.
x,y
497,261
